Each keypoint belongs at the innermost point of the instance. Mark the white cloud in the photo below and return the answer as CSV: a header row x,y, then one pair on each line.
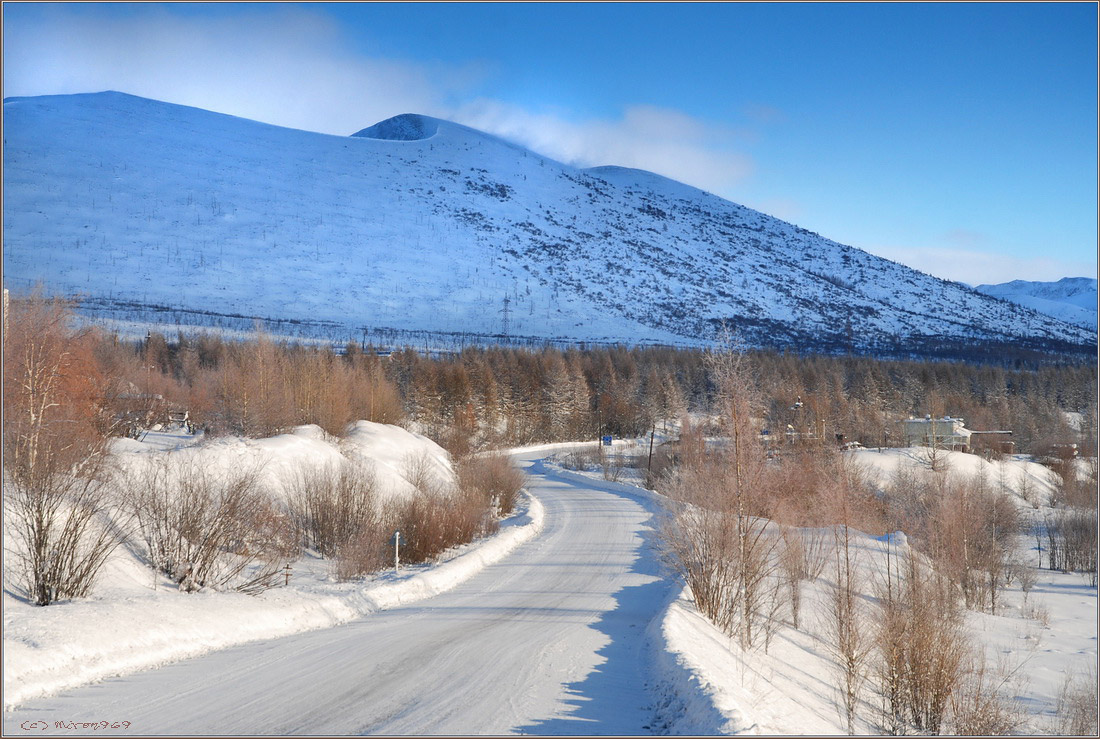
x,y
289,67
983,267
295,67
660,140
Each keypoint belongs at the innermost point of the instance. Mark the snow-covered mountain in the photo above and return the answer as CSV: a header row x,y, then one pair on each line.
x,y
422,224
1070,299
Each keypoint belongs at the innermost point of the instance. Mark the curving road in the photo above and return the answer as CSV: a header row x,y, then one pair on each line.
x,y
552,640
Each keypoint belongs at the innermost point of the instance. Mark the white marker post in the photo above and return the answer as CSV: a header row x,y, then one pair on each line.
x,y
396,551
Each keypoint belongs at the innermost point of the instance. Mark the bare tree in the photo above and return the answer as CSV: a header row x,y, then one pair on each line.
x,y
55,461
921,646
1077,706
850,639
795,568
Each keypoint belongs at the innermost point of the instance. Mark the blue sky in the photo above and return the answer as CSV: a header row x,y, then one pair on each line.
x,y
957,138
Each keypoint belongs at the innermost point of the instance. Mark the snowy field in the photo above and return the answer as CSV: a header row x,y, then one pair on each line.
x,y
580,623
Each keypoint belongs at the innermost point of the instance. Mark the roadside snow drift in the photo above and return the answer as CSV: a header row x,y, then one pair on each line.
x,y
136,619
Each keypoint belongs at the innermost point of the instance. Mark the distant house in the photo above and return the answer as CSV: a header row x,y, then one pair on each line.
x,y
943,433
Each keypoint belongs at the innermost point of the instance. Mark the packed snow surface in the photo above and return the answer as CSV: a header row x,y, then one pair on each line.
x,y
551,640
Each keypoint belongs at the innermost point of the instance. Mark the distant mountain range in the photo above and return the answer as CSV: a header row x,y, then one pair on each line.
x,y
1070,299
418,224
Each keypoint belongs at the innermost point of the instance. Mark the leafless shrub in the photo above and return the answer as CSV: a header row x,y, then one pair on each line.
x,y
1074,482
333,504
430,525
369,550
921,647
980,705
695,545
417,470
1037,613
1072,541
438,517
1076,710
1025,488
726,558
659,467
494,478
61,524
613,466
578,460
206,529
817,550
936,457
55,462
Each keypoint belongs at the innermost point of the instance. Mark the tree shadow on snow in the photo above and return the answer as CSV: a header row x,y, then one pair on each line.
x,y
615,697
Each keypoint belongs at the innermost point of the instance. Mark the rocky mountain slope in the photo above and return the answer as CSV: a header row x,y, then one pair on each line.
x,y
421,224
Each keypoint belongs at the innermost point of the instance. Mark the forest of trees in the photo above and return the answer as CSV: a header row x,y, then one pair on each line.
x,y
507,396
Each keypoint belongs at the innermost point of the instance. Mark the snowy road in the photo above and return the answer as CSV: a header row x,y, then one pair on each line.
x,y
552,640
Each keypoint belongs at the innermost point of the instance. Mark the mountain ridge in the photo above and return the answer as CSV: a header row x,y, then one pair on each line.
x,y
124,198
1070,299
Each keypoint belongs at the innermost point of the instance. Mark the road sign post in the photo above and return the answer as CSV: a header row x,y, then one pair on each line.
x,y
396,551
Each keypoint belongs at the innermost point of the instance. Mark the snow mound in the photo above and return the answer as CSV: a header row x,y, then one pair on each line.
x,y
397,457
400,456
404,127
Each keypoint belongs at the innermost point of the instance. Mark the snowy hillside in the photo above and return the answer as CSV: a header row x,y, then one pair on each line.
x,y
1070,299
420,224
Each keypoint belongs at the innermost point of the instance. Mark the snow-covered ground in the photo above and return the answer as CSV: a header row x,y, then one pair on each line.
x,y
136,620
551,640
578,631
1041,637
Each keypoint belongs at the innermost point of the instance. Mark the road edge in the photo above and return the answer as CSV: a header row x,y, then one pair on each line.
x,y
72,666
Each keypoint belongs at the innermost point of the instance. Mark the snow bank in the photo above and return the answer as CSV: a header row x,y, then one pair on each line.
x,y
397,453
137,620
691,680
47,650
393,452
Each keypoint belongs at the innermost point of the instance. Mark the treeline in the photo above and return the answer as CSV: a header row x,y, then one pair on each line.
x,y
504,396
510,396
69,503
